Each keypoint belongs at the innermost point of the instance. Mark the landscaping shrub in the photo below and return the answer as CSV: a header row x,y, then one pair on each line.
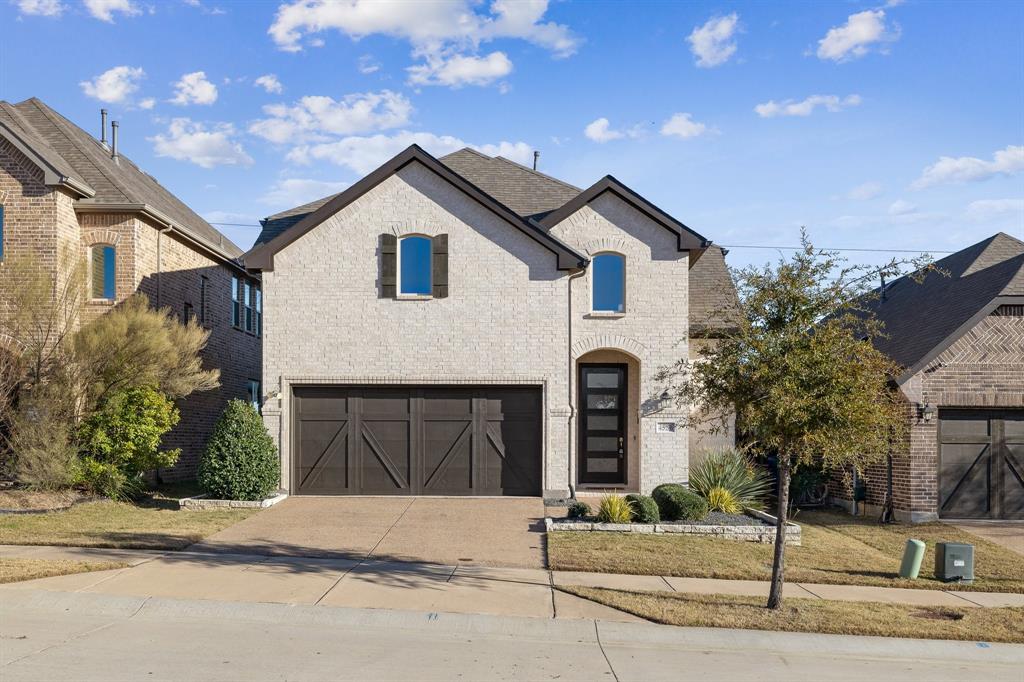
x,y
121,441
644,508
720,499
614,509
579,510
676,503
240,462
731,471
43,455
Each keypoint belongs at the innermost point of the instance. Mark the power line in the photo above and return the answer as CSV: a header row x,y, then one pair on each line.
x,y
236,224
829,248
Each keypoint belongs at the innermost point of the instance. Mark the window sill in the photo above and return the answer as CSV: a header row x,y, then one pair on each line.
x,y
101,301
414,297
604,315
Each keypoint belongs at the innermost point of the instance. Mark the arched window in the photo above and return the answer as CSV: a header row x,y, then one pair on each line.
x,y
608,272
414,266
104,269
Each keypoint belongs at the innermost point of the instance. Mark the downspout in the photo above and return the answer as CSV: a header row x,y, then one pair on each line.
x,y
572,394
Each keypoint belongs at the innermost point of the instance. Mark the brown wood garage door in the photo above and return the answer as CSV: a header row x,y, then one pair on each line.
x,y
422,440
981,464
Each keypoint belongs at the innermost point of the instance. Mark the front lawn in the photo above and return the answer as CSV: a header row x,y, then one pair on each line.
x,y
152,523
837,549
14,570
814,615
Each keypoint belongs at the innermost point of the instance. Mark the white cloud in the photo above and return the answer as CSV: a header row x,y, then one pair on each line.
x,y
269,83
962,169
902,207
298,191
368,65
194,88
806,107
713,42
104,9
187,140
364,154
682,125
147,103
41,8
312,118
985,210
868,190
855,38
458,70
114,85
427,24
600,131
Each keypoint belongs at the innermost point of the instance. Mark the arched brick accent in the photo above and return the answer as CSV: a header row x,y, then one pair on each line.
x,y
614,244
610,342
428,228
93,237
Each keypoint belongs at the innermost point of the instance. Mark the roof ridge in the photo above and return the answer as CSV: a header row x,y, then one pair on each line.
x,y
536,172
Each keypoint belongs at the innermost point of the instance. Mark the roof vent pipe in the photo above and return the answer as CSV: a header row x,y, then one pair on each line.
x,y
103,128
113,140
536,155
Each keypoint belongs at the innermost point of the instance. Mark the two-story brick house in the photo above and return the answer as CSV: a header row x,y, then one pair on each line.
x,y
62,190
467,325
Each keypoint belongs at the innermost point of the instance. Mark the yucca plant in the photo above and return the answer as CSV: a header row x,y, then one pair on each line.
x,y
614,509
732,472
720,499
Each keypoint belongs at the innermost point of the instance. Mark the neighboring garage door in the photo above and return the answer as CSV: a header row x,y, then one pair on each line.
x,y
981,464
420,440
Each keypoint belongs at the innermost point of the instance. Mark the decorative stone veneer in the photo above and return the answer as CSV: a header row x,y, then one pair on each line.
x,y
763,534
506,320
982,369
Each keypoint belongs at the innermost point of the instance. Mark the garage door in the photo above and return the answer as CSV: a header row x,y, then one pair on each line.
x,y
422,440
981,464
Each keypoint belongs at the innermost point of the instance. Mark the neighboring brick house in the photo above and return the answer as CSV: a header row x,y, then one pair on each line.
x,y
960,337
471,326
61,190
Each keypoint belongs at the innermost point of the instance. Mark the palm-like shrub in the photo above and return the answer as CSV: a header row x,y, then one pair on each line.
x,y
731,471
614,509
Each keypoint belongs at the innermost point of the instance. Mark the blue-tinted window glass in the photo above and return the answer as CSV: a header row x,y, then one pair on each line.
x,y
609,272
414,257
104,271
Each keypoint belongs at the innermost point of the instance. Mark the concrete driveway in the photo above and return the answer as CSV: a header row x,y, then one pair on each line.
x,y
1009,534
453,531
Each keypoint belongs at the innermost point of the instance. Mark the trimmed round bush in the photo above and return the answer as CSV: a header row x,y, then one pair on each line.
x,y
645,509
579,510
677,503
240,462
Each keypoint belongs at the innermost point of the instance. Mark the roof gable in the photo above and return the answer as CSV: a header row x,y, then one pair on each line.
x,y
688,240
261,257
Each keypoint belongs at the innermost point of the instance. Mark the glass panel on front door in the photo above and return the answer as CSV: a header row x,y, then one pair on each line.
x,y
602,438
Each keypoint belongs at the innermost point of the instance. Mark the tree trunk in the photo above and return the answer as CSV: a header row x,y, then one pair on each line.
x,y
778,565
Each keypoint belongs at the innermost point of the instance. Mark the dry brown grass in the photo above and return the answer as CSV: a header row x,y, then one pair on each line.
x,y
814,615
22,499
837,549
14,570
155,523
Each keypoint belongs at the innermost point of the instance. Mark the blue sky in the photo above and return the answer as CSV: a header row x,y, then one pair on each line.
x,y
877,126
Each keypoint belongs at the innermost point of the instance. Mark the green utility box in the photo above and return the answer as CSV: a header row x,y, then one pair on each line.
x,y
913,555
954,561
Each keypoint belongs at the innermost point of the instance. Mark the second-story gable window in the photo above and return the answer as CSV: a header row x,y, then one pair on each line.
x,y
103,266
608,275
414,266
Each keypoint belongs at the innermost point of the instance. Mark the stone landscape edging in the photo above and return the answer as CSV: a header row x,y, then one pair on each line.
x,y
201,502
762,534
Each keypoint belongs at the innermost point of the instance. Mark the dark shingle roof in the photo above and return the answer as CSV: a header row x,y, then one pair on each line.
x,y
920,318
115,181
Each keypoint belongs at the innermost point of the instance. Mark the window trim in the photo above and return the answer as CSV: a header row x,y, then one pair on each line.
x,y
430,268
236,310
594,311
92,273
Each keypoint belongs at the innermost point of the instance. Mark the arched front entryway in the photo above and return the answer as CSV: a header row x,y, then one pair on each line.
x,y
607,425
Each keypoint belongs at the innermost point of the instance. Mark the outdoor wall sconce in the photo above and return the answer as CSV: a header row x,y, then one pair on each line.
x,y
925,411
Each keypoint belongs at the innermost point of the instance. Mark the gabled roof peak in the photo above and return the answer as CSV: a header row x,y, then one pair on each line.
x,y
994,250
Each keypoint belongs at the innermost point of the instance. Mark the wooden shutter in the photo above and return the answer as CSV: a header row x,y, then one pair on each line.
x,y
439,265
388,266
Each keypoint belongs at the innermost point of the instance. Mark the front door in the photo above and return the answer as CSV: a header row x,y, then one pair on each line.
x,y
602,438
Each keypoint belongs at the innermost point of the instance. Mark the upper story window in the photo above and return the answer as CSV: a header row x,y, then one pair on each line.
x,y
414,276
259,312
236,309
103,263
608,272
246,306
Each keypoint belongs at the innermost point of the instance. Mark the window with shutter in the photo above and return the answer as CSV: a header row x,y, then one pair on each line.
x,y
414,266
388,266
439,265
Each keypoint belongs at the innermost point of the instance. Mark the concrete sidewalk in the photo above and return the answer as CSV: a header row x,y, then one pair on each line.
x,y
59,636
452,588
